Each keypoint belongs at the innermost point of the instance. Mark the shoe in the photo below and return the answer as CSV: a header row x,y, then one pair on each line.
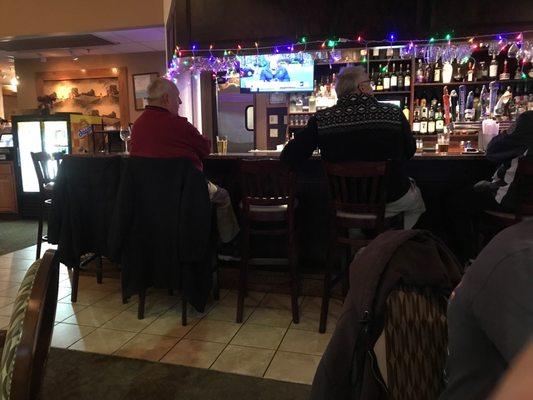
x,y
229,251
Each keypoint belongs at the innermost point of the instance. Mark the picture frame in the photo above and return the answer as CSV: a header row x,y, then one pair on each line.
x,y
140,86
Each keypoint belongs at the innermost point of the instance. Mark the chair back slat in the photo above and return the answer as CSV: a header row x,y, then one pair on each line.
x,y
357,187
46,166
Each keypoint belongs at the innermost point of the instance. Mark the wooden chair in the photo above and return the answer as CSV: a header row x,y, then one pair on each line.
x,y
27,340
46,166
267,210
492,222
358,196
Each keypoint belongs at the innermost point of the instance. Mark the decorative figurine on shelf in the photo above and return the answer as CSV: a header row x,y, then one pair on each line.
x,y
46,103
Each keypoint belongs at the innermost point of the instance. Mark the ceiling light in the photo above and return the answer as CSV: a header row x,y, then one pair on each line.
x,y
14,81
114,70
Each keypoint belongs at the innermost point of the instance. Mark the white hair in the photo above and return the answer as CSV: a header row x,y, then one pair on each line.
x,y
158,87
349,79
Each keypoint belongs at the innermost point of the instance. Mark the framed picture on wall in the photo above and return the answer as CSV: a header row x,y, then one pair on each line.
x,y
140,86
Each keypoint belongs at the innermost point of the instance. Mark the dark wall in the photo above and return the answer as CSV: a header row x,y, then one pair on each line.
x,y
226,23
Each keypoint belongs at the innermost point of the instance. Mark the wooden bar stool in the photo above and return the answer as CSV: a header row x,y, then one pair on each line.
x,y
267,211
491,222
46,166
358,196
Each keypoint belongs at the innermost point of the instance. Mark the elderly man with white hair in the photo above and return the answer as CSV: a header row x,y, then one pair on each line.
x,y
359,128
161,133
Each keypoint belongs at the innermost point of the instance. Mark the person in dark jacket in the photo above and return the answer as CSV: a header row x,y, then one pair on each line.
x,y
498,194
490,315
359,128
161,133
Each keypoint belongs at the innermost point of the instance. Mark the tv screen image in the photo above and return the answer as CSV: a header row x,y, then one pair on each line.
x,y
291,72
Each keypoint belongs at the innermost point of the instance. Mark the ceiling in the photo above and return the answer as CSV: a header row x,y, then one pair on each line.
x,y
123,41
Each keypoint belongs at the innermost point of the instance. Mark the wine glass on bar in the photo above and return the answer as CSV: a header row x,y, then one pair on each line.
x,y
125,136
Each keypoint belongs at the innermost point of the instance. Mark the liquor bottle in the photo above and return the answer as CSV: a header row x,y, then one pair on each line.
x,y
393,79
379,82
437,72
431,121
447,72
423,108
419,73
386,79
428,74
407,79
424,125
479,71
484,71
406,108
416,123
400,78
505,75
375,53
470,73
439,120
458,76
493,68
372,79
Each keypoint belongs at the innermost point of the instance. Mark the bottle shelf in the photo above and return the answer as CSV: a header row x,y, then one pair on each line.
x,y
389,60
301,113
452,136
383,92
473,83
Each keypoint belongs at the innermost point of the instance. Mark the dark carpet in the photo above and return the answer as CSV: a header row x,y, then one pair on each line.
x,y
76,375
17,234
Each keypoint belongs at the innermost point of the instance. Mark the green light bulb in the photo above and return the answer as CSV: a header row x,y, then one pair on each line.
x,y
448,37
431,40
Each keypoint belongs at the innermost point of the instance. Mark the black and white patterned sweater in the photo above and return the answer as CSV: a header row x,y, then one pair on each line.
x,y
358,128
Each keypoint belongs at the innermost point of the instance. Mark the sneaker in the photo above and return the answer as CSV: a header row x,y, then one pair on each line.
x,y
229,251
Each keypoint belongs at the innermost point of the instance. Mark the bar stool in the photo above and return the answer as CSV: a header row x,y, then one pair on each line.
x,y
46,166
491,222
358,196
267,211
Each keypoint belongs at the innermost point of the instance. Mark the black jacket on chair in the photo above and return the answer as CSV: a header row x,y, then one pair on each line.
x,y
82,206
161,228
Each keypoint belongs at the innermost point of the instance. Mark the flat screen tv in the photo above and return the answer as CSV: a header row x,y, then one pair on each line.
x,y
291,72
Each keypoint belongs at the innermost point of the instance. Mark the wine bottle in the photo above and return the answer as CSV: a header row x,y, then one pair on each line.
x,y
407,79
437,72
431,121
372,79
379,83
493,68
419,73
400,78
439,120
406,108
505,73
423,125
416,124
393,79
386,79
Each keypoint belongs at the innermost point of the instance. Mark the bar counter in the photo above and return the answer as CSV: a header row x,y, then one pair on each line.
x,y
437,175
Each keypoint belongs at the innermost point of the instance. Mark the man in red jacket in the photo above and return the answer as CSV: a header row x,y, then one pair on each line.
x,y
161,132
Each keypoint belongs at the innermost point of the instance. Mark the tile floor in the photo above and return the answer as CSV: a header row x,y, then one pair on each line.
x,y
267,344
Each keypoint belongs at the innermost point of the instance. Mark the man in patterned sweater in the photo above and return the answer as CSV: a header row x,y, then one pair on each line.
x,y
359,128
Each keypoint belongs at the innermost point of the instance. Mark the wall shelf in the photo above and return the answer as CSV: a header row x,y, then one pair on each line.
x,y
383,92
510,81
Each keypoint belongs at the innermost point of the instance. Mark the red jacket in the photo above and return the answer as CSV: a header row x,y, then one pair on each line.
x,y
159,134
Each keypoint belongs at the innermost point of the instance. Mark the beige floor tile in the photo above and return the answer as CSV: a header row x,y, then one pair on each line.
x,y
228,313
158,304
306,342
243,360
114,300
265,337
127,321
4,322
15,264
64,311
63,294
194,353
169,324
8,285
67,334
271,317
86,297
15,276
11,292
313,305
252,300
27,256
104,341
214,331
6,311
293,367
277,300
4,301
92,316
107,285
309,321
147,347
